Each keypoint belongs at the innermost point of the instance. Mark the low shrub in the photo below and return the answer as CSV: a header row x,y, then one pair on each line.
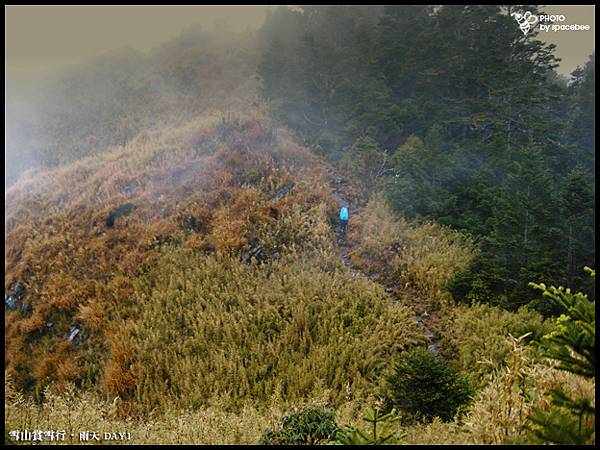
x,y
423,386
380,430
419,258
312,424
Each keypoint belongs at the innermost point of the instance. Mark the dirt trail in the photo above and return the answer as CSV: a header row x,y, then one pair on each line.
x,y
424,319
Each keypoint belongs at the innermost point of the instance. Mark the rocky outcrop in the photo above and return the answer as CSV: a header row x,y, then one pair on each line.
x,y
123,210
14,298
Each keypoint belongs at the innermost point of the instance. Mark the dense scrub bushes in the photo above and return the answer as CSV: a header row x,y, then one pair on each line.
x,y
418,258
499,412
479,336
570,419
249,330
497,415
311,424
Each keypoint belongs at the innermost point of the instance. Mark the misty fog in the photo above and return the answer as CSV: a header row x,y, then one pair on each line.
x,y
271,225
39,98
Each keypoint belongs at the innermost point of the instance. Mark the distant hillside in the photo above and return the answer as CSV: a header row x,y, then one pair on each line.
x,y
109,99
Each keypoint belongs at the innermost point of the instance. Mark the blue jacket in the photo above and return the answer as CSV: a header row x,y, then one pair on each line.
x,y
344,214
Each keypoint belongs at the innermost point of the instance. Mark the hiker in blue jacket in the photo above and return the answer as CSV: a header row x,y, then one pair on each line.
x,y
343,220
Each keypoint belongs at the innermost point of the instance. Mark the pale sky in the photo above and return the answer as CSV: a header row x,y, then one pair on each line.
x,y
573,47
48,37
41,38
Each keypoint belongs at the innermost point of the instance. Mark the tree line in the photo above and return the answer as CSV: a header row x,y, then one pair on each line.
x,y
459,118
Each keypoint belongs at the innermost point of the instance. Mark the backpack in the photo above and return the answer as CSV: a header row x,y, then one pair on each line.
x,y
344,213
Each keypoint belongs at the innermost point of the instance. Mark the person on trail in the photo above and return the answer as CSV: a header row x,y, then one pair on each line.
x,y
343,221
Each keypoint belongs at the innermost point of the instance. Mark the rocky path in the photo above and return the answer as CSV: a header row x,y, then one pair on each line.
x,y
423,318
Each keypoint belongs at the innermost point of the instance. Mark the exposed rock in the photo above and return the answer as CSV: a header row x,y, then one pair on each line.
x,y
73,333
127,188
282,191
434,348
123,210
10,302
193,224
259,254
26,308
255,251
397,247
274,212
13,298
18,290
429,334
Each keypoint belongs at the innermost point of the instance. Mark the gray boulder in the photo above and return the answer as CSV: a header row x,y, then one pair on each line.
x,y
121,211
13,298
10,302
73,333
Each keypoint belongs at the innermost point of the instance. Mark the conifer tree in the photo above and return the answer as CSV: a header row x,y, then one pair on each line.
x,y
379,430
573,346
577,204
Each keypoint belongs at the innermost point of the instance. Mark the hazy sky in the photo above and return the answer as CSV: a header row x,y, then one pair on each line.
x,y
39,38
573,47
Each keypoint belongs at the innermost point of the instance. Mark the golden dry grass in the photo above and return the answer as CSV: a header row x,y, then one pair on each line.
x,y
496,416
419,258
479,336
169,313
187,185
216,326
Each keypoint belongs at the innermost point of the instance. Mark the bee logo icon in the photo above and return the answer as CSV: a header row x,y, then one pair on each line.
x,y
525,21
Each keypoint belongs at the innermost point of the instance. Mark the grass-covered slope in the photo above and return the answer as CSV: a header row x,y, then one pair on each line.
x,y
109,99
190,285
194,262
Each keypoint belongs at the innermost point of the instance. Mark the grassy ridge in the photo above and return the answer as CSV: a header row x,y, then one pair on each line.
x,y
208,186
188,339
170,275
220,301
